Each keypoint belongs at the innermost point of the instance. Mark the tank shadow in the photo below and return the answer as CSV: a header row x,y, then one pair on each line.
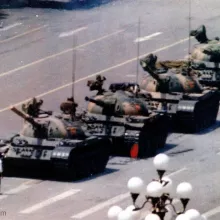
x,y
71,5
3,15
47,175
204,131
210,129
172,154
166,148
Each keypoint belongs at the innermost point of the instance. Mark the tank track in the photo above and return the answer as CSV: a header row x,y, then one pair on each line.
x,y
151,138
83,162
196,116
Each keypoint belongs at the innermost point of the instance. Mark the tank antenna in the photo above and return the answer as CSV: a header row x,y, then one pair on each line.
x,y
73,111
73,65
189,49
138,47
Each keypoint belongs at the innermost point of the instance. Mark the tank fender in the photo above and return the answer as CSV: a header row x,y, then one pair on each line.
x,y
186,106
61,152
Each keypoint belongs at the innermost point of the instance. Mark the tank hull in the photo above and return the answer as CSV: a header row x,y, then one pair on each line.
x,y
72,159
190,113
147,134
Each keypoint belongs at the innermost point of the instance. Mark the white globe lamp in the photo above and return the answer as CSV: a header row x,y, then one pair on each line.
x,y
167,185
182,217
193,214
154,189
135,186
130,208
124,215
152,217
184,191
161,163
203,217
113,212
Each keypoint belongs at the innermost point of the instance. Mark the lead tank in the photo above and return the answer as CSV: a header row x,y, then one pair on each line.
x,y
119,115
55,142
191,106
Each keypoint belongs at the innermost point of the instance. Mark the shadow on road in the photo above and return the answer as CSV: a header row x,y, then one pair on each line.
x,y
71,5
3,15
47,175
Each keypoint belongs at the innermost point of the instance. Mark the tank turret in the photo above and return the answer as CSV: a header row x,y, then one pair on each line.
x,y
191,106
119,103
49,126
125,119
170,82
208,50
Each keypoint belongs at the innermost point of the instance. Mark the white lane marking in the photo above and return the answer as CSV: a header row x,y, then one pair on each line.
x,y
18,189
111,201
10,26
60,53
176,172
141,39
130,75
101,206
83,78
50,201
70,33
218,153
212,212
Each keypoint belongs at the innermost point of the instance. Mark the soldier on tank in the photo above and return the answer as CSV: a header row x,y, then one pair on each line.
x,y
185,81
69,107
97,84
32,107
201,37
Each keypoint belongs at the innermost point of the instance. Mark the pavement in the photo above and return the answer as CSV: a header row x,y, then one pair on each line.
x,y
37,45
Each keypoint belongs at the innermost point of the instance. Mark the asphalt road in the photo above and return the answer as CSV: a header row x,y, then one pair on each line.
x,y
36,60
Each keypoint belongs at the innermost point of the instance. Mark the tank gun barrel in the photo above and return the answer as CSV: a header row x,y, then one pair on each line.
x,y
24,116
100,102
108,108
95,101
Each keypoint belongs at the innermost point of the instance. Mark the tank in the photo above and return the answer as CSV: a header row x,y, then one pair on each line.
x,y
207,52
191,106
53,141
119,115
204,60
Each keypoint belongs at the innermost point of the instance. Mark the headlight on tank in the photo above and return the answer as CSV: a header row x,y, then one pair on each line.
x,y
59,154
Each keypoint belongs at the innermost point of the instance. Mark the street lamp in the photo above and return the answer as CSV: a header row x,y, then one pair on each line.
x,y
159,193
1,171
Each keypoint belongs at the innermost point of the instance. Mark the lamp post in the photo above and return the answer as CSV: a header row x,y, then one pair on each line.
x,y
1,171
159,195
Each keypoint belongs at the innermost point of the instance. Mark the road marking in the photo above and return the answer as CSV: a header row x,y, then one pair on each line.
x,y
16,190
59,54
110,202
83,78
23,34
50,201
101,206
130,75
141,39
176,172
218,153
10,26
212,212
70,33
